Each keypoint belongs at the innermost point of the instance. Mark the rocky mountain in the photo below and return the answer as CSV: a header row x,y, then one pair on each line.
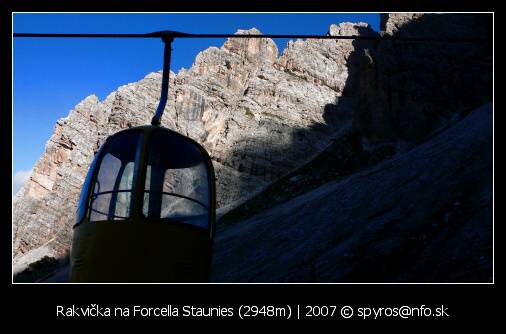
x,y
339,107
243,102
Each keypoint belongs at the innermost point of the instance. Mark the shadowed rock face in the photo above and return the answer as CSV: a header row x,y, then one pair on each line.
x,y
408,90
240,101
422,216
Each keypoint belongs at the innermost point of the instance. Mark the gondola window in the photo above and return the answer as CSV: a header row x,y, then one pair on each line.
x,y
174,190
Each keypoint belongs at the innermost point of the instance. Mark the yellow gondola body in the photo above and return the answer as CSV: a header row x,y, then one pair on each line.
x,y
146,212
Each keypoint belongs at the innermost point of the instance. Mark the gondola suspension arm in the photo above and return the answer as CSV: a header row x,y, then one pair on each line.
x,y
167,40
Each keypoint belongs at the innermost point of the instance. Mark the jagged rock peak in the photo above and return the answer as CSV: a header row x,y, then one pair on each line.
x,y
252,31
89,100
391,23
350,29
325,61
255,50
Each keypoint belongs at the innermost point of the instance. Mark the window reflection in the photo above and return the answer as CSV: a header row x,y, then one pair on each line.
x,y
177,181
112,192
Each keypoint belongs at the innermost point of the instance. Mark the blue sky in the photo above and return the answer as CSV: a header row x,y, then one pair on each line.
x,y
52,75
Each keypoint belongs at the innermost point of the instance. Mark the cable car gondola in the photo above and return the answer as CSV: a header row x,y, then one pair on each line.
x,y
147,207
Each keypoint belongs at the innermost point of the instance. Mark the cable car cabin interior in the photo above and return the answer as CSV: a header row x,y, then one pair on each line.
x,y
146,212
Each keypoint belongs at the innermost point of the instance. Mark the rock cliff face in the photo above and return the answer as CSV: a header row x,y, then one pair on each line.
x,y
409,90
262,116
246,105
422,216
